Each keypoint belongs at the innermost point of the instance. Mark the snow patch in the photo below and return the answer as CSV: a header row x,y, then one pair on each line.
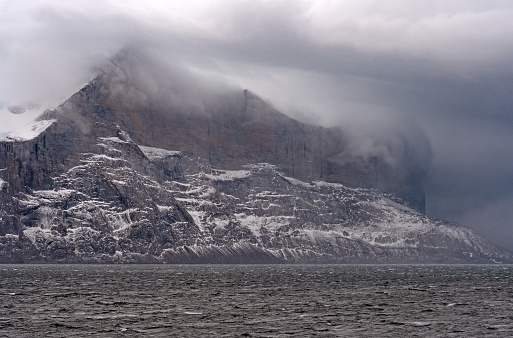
x,y
157,153
258,223
15,116
2,184
261,166
55,194
29,131
34,233
228,175
165,208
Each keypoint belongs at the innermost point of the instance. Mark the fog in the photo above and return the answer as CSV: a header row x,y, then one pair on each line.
x,y
427,81
141,78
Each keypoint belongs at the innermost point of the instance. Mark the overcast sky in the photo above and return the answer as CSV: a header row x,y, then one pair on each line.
x,y
443,68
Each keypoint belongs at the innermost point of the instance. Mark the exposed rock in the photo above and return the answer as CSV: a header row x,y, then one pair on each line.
x,y
106,180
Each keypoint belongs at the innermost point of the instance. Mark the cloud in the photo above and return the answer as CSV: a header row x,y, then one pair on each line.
x,y
388,72
48,44
142,78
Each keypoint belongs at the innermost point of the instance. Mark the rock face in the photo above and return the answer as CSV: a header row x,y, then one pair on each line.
x,y
112,176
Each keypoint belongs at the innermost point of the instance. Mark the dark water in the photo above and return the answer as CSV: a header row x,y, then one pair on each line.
x,y
261,301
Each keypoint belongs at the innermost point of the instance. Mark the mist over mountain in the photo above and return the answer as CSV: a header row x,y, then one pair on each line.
x,y
139,81
375,69
152,162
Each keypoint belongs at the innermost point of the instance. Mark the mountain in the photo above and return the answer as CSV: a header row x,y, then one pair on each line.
x,y
147,166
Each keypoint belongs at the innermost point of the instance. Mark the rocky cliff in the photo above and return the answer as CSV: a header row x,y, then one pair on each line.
x,y
117,175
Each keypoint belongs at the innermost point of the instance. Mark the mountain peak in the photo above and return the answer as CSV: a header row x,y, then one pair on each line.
x,y
149,163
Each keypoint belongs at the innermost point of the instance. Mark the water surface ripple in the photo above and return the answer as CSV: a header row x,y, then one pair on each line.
x,y
256,301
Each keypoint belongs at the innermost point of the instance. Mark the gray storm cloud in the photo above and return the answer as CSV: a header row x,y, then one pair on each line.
x,y
397,75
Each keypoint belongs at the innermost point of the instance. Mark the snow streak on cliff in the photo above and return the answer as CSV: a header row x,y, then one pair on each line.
x,y
103,179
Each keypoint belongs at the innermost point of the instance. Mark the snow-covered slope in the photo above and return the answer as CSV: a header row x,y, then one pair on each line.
x,y
98,181
20,121
29,131
116,206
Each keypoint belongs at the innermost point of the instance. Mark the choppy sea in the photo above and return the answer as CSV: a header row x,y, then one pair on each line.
x,y
256,301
